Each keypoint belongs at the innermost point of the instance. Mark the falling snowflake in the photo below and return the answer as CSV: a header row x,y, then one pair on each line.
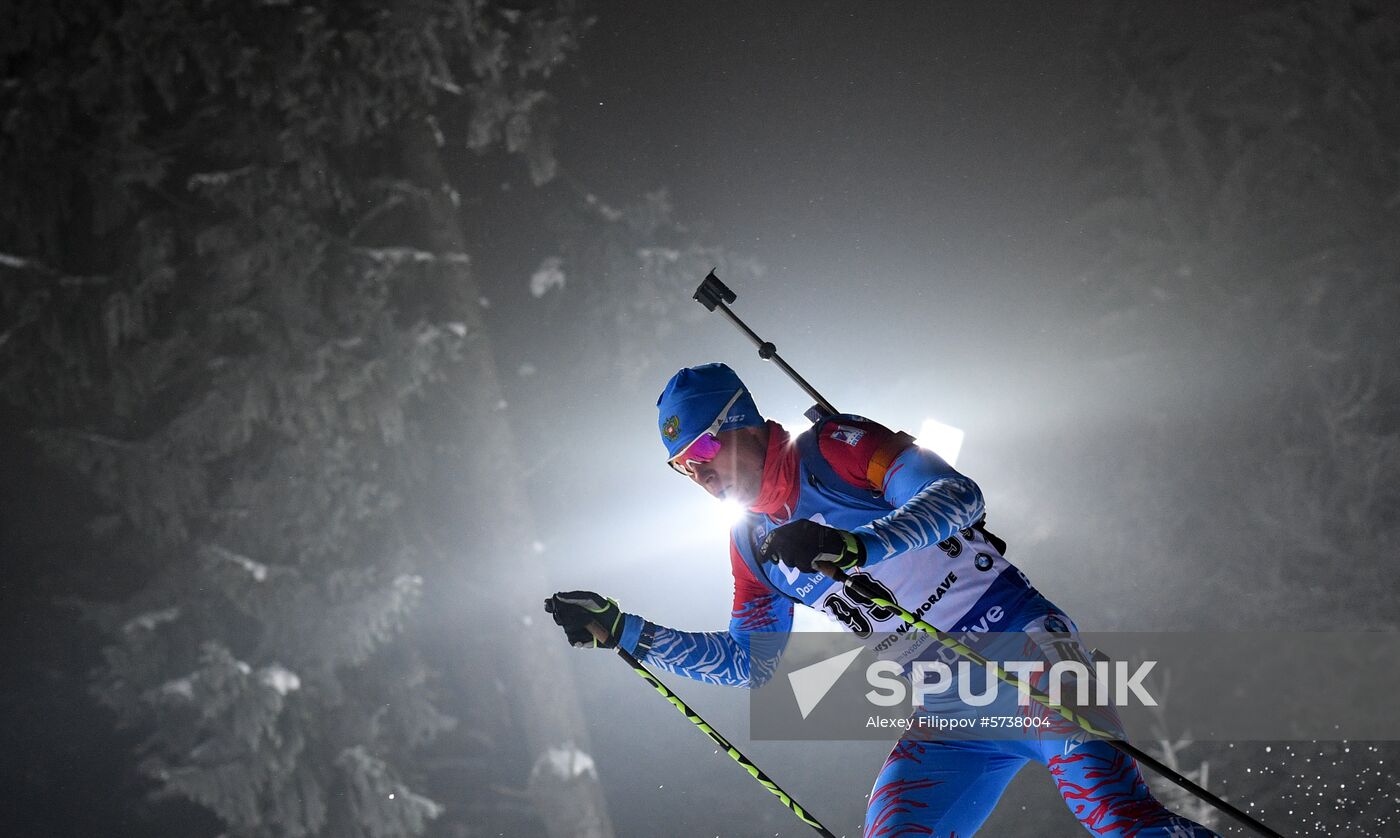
x,y
548,275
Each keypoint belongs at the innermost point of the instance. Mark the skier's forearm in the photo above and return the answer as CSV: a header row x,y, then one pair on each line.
x,y
933,502
713,657
734,658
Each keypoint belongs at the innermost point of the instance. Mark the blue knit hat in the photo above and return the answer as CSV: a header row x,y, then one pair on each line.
x,y
693,399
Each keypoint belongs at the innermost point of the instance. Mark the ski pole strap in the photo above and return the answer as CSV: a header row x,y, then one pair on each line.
x,y
724,744
859,587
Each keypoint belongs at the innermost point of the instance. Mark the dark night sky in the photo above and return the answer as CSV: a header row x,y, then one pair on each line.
x,y
905,174
908,146
823,138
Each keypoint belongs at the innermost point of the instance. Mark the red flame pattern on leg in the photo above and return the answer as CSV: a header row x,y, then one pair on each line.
x,y
1105,791
892,804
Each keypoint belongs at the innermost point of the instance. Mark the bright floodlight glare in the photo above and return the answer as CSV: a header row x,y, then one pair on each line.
x,y
725,513
944,440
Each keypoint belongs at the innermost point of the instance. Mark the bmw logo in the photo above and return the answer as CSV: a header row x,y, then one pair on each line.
x,y
983,561
1055,625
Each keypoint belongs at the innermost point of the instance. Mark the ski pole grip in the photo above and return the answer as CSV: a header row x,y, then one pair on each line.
x,y
712,292
599,633
852,583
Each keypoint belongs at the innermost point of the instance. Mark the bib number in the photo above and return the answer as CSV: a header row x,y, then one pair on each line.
x,y
854,611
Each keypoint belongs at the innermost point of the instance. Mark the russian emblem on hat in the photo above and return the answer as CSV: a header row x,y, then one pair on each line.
x,y
695,397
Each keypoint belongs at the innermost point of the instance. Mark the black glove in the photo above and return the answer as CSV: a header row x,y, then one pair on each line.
x,y
574,610
802,543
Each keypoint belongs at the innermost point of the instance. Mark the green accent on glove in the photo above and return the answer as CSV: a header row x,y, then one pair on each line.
x,y
801,544
853,553
575,611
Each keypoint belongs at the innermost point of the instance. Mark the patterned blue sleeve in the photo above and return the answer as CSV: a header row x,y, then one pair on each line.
x,y
932,502
744,656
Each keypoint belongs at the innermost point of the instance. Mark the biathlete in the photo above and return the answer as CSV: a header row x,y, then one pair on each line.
x,y
855,493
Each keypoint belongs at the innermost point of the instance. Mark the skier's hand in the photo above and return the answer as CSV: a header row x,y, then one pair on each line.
x,y
574,610
801,544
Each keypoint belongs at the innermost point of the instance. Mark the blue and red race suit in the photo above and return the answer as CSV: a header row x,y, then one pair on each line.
x,y
919,520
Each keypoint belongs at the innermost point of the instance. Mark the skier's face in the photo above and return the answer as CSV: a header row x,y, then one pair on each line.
x,y
736,473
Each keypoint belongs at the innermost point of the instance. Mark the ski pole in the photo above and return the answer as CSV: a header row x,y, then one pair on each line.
x,y
754,771
714,294
858,587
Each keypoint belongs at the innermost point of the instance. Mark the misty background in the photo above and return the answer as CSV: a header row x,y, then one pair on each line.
x,y
330,337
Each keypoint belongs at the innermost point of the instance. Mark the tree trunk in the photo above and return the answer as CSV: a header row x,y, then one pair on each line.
x,y
502,573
